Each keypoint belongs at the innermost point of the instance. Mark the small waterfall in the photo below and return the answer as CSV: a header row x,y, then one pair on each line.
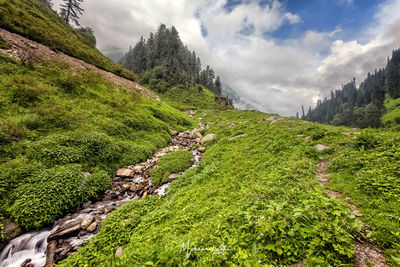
x,y
30,247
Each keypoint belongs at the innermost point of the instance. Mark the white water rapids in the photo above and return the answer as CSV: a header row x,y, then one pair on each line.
x,y
28,246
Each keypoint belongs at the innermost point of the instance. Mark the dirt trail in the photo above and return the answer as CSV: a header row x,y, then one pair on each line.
x,y
366,253
30,51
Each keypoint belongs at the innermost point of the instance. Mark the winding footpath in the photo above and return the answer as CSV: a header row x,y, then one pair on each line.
x,y
366,253
51,245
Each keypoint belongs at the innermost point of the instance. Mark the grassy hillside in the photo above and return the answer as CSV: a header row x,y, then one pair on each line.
x,y
34,20
57,123
182,97
255,200
391,117
179,96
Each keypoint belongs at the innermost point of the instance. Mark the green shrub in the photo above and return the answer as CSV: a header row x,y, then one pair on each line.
x,y
158,85
190,97
26,88
95,183
171,163
11,130
47,195
367,140
87,36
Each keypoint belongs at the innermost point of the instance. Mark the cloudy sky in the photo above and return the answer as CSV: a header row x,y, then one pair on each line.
x,y
276,54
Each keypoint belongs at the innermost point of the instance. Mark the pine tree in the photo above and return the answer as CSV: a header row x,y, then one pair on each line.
x,y
393,74
165,52
71,10
218,86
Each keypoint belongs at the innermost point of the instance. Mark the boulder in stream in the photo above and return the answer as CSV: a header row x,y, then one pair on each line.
x,y
125,173
208,137
65,231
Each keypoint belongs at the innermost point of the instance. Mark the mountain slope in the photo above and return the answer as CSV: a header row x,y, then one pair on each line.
x,y
255,199
363,106
59,121
36,21
31,52
262,195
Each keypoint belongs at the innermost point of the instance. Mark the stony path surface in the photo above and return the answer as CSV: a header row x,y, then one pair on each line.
x,y
366,253
30,51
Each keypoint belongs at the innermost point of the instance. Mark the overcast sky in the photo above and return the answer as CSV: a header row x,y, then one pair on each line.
x,y
277,55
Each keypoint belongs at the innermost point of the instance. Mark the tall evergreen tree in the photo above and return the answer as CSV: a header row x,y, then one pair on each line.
x,y
71,10
362,107
165,52
218,86
393,74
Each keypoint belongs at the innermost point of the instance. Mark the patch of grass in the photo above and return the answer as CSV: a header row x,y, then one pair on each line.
x,y
4,44
370,175
391,118
251,201
194,97
29,18
56,124
173,162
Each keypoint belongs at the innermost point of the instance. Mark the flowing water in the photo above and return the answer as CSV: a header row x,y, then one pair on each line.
x,y
30,248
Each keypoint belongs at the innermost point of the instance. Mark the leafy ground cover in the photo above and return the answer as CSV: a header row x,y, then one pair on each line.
x,y
29,18
252,200
367,169
194,97
173,162
57,123
391,118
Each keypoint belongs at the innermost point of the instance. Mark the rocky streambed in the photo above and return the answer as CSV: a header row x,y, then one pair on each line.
x,y
51,245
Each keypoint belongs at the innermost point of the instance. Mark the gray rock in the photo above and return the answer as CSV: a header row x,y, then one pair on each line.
x,y
119,251
87,174
208,137
173,176
65,231
237,136
195,134
320,147
272,119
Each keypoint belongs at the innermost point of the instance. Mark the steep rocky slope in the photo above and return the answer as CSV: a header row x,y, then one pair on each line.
x,y
31,52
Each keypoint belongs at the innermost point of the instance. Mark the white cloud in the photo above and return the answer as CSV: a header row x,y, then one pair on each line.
x,y
274,76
